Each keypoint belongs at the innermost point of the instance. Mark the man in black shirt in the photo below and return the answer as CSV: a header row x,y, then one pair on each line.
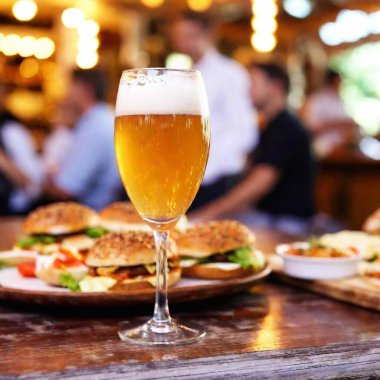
x,y
279,184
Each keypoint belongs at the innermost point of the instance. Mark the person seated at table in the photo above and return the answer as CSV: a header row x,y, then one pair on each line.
x,y
57,144
89,173
279,182
20,164
232,116
326,118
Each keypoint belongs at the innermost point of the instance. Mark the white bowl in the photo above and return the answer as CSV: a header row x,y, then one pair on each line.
x,y
316,268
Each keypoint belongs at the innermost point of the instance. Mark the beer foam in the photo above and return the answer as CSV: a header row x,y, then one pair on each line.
x,y
162,95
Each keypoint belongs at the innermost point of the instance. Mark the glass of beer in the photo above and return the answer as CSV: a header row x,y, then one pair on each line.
x,y
162,138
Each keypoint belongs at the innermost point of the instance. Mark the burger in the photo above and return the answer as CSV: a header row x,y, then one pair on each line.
x,y
371,268
122,216
65,224
219,250
123,261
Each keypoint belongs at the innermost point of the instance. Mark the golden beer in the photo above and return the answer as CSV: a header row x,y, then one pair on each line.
x,y
161,160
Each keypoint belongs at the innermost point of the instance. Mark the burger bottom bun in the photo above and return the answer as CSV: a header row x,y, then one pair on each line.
x,y
148,282
205,272
52,276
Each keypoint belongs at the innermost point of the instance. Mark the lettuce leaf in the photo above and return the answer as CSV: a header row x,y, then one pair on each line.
x,y
68,281
246,258
29,241
96,232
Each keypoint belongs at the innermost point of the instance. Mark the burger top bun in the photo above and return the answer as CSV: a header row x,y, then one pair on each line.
x,y
60,218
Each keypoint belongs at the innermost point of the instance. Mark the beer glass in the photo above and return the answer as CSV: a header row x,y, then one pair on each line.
x,y
162,138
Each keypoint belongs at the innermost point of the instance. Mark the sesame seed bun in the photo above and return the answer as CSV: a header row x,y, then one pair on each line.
x,y
123,216
372,223
123,249
60,218
206,239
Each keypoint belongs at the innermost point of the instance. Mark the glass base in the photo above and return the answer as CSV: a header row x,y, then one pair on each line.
x,y
154,333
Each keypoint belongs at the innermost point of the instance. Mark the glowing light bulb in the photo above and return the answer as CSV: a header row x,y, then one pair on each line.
x,y
265,8
24,10
262,24
86,60
27,46
152,3
11,44
263,42
199,5
45,48
88,28
72,17
88,44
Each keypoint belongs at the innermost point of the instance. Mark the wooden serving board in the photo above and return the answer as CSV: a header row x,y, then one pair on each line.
x,y
355,290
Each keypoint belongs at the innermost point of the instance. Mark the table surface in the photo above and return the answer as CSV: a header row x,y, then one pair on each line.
x,y
272,331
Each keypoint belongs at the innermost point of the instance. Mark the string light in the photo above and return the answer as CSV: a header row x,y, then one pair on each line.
x,y
10,44
45,48
152,3
88,44
87,60
264,25
199,5
264,42
72,17
261,24
24,10
88,28
27,46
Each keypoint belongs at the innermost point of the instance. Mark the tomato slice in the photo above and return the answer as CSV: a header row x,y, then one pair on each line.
x,y
71,256
62,264
27,269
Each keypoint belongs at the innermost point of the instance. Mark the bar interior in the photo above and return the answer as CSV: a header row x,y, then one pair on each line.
x,y
189,189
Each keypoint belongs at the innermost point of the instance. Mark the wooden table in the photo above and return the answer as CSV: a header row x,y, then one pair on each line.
x,y
348,187
274,331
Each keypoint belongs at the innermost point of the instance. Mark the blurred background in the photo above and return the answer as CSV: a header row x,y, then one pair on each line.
x,y
43,41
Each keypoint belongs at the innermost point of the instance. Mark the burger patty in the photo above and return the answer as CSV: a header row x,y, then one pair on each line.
x,y
218,258
122,273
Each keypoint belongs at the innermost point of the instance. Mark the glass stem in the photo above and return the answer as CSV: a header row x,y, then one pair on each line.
x,y
161,309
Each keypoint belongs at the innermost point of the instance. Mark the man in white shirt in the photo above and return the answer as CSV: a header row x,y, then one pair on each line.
x,y
233,120
89,173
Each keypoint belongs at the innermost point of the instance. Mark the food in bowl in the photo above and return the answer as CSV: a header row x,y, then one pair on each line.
x,y
318,250
314,261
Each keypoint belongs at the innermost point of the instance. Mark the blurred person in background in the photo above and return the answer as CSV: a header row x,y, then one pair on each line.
x,y
59,141
279,183
326,118
232,116
20,163
89,172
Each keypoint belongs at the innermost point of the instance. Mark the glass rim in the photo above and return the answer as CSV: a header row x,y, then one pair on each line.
x,y
137,69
